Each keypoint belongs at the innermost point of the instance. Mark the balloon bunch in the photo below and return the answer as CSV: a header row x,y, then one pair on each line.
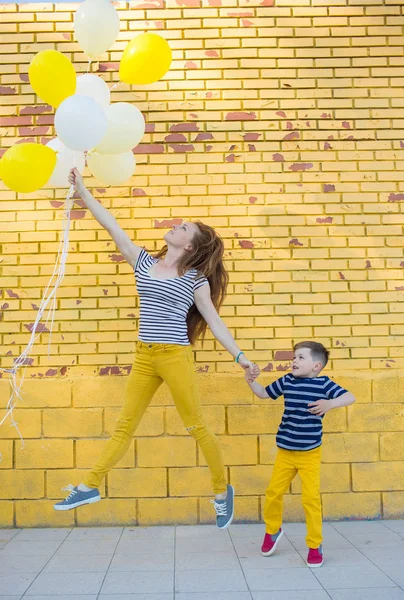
x,y
85,123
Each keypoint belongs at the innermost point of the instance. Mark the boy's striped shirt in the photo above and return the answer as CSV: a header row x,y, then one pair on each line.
x,y
299,429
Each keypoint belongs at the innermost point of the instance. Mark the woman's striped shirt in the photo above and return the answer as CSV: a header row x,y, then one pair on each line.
x,y
299,429
164,303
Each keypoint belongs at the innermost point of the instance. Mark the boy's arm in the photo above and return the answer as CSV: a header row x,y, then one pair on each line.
x,y
320,407
256,387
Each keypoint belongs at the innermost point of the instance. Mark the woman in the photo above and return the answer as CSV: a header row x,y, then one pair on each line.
x,y
180,291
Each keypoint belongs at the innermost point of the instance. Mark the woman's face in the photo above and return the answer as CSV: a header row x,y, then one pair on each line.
x,y
181,236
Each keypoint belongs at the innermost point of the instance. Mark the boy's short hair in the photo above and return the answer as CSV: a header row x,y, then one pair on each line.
x,y
317,350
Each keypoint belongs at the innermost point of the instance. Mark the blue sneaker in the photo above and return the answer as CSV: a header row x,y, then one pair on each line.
x,y
225,509
77,498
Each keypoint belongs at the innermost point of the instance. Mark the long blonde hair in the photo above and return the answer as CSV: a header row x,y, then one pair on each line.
x,y
206,257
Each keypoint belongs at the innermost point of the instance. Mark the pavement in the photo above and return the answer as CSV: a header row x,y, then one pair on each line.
x,y
364,560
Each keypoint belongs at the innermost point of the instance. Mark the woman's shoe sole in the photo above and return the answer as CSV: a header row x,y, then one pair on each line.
x,y
77,504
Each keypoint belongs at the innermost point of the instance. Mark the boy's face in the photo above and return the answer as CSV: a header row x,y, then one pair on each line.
x,y
304,365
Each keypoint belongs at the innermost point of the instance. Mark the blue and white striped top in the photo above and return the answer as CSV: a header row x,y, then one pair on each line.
x,y
299,429
164,303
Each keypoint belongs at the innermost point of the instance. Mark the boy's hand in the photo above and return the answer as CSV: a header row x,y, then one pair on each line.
x,y
320,407
255,371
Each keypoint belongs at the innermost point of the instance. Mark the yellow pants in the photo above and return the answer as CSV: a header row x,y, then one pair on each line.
x,y
155,363
287,464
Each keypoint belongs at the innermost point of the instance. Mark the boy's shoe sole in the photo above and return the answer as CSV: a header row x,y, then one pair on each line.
x,y
272,550
77,504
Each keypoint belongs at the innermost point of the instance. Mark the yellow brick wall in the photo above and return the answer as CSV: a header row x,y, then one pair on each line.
x,y
282,127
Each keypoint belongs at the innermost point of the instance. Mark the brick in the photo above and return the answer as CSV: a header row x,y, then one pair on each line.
x,y
393,505
40,513
110,511
6,454
44,454
224,390
250,480
22,484
189,481
267,449
167,511
353,505
141,483
166,452
6,514
65,422
46,393
384,475
99,391
350,447
375,418
254,419
391,446
387,388
29,423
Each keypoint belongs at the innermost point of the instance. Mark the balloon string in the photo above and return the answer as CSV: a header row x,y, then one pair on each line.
x,y
118,83
48,298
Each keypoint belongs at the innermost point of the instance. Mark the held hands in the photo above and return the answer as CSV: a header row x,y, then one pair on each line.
x,y
246,364
252,370
319,408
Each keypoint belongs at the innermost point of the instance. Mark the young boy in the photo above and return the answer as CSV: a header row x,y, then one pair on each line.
x,y
308,396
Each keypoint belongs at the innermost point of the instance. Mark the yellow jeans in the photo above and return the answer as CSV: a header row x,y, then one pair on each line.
x,y
155,363
287,464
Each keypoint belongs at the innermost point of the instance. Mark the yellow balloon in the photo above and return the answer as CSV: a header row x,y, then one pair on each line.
x,y
27,167
52,76
146,59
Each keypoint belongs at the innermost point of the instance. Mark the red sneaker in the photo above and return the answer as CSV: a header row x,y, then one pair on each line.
x,y
315,557
270,542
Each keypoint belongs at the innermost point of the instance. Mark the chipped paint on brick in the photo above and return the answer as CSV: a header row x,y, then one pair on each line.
x,y
395,197
241,116
166,223
117,258
246,244
300,166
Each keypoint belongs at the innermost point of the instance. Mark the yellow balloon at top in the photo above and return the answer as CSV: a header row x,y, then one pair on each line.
x,y
52,76
146,59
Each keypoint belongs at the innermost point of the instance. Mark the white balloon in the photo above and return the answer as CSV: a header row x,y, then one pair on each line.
x,y
96,26
111,169
80,123
66,160
126,128
94,87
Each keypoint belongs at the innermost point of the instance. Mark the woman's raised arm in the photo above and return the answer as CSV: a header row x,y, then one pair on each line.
x,y
128,249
